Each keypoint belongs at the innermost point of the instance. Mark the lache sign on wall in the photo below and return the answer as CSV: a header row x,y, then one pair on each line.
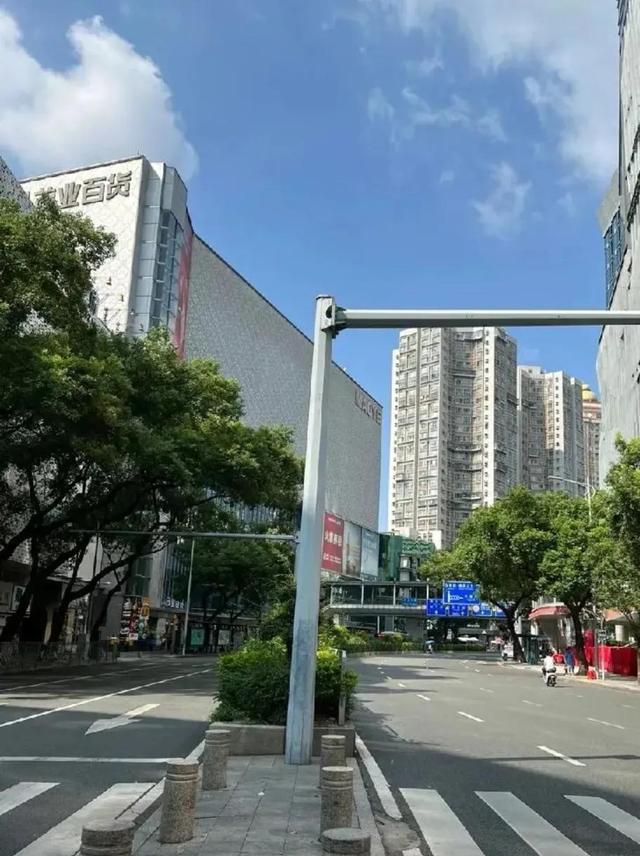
x,y
372,410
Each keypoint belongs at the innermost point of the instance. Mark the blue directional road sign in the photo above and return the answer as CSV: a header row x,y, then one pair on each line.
x,y
436,606
460,591
458,610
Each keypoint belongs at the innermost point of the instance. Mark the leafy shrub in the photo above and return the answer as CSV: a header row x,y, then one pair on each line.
x,y
331,679
253,683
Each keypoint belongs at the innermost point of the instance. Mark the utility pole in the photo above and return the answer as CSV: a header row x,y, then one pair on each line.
x,y
188,604
299,736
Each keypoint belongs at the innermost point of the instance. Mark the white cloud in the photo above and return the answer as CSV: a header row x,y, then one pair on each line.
x,y
571,44
491,125
379,107
427,66
457,112
502,211
568,203
112,102
414,112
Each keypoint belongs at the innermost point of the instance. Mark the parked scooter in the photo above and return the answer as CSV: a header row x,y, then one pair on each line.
x,y
550,677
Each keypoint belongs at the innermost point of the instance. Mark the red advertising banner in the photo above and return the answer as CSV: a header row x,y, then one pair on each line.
x,y
332,541
183,290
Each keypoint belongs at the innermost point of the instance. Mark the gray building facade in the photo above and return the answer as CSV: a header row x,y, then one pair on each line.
x,y
619,348
232,323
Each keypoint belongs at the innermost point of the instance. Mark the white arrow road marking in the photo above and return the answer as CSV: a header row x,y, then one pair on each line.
x,y
102,697
115,722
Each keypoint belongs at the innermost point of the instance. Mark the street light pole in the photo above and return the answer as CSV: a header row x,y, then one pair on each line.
x,y
188,606
300,712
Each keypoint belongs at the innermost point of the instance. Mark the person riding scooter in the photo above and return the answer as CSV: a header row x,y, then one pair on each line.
x,y
549,669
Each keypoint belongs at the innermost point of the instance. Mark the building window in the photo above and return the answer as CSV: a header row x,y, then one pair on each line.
x,y
613,252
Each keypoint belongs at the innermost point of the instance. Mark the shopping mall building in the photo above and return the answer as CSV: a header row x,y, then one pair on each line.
x,y
164,274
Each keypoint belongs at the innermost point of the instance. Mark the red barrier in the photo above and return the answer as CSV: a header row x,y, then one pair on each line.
x,y
616,661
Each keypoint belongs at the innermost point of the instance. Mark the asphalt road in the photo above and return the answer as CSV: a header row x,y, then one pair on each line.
x,y
82,739
467,746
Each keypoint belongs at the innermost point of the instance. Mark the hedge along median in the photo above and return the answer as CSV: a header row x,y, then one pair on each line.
x,y
253,692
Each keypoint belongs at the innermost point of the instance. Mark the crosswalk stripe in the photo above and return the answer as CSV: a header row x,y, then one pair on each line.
x,y
534,830
440,827
620,820
21,793
64,839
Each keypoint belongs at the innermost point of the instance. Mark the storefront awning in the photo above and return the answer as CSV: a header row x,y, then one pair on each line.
x,y
549,610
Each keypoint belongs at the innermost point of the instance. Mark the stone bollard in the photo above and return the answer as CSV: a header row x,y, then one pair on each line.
x,y
214,762
178,802
332,751
107,838
336,797
350,841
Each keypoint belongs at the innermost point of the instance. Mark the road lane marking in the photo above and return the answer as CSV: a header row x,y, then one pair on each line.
x,y
532,703
477,670
77,759
629,706
194,755
100,698
561,756
534,830
439,826
21,793
604,722
401,685
484,690
118,721
423,697
470,716
63,839
379,782
620,820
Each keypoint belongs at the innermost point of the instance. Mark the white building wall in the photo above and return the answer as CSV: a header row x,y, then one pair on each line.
x,y
454,428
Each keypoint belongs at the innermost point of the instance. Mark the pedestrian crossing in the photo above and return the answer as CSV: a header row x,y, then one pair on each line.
x,y
446,835
63,839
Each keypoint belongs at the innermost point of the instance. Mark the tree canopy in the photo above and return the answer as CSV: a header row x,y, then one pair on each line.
x,y
99,431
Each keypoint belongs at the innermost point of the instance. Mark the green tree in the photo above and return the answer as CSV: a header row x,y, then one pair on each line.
x,y
233,577
618,583
583,550
501,548
98,431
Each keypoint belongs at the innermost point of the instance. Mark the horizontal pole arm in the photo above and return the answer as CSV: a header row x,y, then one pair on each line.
x,y
186,533
397,318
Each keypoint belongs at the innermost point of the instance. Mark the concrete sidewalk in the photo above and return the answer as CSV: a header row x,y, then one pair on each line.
x,y
268,809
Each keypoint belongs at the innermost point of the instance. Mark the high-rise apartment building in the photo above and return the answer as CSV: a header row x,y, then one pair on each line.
x,y
591,418
618,364
550,431
454,428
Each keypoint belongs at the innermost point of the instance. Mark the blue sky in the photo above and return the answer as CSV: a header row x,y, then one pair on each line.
x,y
444,153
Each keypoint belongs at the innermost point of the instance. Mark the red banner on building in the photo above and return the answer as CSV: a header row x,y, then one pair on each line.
x,y
332,542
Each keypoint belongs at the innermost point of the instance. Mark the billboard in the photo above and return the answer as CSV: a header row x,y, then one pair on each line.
x,y
352,553
332,544
370,555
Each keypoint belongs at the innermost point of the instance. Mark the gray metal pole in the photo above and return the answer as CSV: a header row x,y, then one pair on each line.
x,y
188,606
305,623
395,318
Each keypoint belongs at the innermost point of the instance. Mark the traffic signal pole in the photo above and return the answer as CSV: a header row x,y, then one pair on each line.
x,y
329,321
